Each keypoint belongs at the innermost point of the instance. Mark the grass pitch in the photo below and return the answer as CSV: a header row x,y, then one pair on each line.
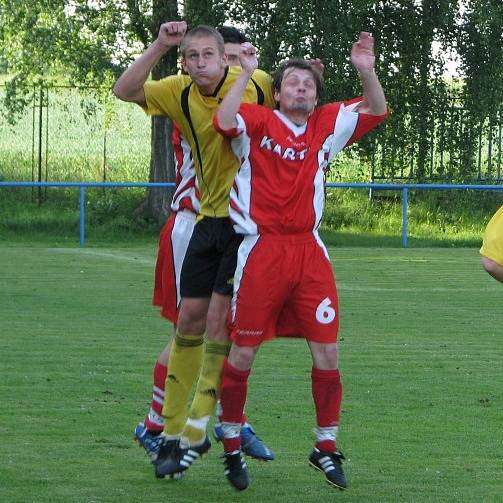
x,y
421,356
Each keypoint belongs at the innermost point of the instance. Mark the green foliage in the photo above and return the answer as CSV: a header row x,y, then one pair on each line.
x,y
435,131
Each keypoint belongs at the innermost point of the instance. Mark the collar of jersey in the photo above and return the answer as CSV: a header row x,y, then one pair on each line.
x,y
296,130
220,84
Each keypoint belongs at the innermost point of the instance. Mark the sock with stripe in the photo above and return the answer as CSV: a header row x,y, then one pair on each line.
x,y
184,365
155,420
207,391
327,395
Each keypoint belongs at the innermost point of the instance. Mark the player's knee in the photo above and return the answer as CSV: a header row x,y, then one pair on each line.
x,y
190,323
242,357
325,356
332,355
216,326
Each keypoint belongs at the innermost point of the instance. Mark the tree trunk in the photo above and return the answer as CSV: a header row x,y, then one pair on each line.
x,y
157,200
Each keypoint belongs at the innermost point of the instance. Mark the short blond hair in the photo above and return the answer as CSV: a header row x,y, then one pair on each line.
x,y
202,31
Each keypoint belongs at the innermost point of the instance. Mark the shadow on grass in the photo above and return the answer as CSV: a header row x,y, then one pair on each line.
x,y
365,239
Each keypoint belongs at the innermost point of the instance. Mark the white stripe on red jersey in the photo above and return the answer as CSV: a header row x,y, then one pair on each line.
x,y
186,194
279,187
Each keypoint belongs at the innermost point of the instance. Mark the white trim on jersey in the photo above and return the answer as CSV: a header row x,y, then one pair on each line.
x,y
183,227
294,128
187,186
321,243
319,194
345,126
240,194
244,250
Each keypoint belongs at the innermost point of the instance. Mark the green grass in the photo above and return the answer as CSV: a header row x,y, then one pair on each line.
x,y
73,140
421,353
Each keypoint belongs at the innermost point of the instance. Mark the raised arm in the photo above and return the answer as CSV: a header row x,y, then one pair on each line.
x,y
226,115
129,86
363,59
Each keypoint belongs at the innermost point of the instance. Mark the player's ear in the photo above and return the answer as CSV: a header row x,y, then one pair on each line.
x,y
184,66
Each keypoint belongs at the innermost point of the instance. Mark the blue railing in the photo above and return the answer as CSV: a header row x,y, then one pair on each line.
x,y
403,188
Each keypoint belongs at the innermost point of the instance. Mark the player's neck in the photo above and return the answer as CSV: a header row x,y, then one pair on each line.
x,y
211,89
298,118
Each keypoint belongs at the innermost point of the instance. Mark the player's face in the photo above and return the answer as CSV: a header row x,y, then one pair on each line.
x,y
204,63
298,92
232,52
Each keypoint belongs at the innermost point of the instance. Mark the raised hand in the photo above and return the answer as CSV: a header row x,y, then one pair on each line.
x,y
248,58
317,65
171,33
362,53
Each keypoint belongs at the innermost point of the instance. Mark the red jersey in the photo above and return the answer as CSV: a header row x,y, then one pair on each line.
x,y
186,196
279,187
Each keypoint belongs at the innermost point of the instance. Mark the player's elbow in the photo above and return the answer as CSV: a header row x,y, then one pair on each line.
x,y
121,91
125,93
222,122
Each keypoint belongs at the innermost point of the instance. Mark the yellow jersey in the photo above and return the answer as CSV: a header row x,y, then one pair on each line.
x,y
178,98
492,245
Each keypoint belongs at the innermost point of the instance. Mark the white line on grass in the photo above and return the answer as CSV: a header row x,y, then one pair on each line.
x,y
113,256
350,288
417,289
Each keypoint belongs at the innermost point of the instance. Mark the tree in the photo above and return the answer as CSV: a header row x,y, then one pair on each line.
x,y
480,46
90,43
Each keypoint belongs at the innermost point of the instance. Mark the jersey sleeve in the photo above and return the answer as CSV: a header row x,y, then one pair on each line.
x,y
265,92
160,95
249,118
365,122
345,125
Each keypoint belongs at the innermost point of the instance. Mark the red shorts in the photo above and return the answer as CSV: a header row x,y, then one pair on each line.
x,y
173,242
284,284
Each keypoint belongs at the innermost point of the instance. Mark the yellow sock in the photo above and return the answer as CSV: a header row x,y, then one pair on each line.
x,y
184,365
207,391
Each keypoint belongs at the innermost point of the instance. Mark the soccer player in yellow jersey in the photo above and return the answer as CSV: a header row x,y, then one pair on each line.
x,y
208,270
492,246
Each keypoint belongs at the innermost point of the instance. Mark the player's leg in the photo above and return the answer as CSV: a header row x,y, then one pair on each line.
x,y
327,395
315,302
173,243
147,433
197,279
194,442
218,344
234,389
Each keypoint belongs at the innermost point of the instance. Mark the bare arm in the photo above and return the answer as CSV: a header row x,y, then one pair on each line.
x,y
363,59
229,107
129,86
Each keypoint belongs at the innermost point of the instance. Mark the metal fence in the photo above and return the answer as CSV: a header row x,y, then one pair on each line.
x,y
458,147
403,188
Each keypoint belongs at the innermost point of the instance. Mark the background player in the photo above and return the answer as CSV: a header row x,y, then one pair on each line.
x,y
173,243
209,264
492,246
277,203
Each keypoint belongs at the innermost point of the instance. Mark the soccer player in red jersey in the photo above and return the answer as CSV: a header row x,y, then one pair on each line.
x,y
276,202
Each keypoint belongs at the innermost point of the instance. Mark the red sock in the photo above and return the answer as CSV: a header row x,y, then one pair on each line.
x,y
155,420
233,398
327,395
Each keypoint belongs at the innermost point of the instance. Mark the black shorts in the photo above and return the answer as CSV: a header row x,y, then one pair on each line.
x,y
210,261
